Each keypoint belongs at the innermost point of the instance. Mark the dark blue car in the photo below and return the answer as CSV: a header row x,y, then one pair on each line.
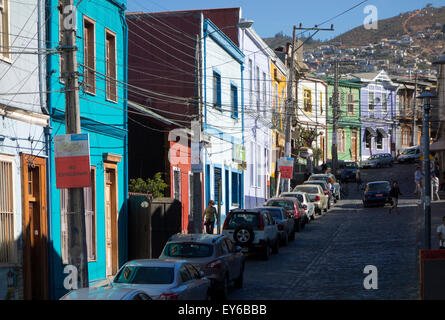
x,y
376,193
349,171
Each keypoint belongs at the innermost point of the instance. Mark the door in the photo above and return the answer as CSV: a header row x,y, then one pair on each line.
x,y
354,145
111,239
35,243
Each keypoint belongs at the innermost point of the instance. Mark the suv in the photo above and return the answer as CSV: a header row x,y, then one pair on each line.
x,y
214,255
293,208
253,230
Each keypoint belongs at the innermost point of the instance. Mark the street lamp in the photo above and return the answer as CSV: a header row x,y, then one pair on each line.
x,y
427,96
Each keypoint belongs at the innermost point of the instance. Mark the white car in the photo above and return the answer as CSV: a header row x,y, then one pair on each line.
x,y
254,230
106,293
316,196
164,279
410,155
308,206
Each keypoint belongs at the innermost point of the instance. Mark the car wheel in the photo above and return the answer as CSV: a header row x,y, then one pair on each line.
x,y
266,254
243,235
238,283
276,247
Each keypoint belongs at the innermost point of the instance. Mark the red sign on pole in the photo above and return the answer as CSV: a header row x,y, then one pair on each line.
x,y
72,155
286,167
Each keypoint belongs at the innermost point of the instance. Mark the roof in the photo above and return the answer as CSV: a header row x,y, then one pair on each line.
x,y
195,237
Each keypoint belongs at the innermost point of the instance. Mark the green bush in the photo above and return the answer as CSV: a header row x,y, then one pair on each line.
x,y
155,186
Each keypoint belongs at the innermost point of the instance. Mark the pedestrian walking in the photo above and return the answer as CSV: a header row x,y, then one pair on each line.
x,y
441,234
394,194
435,188
418,181
209,217
358,178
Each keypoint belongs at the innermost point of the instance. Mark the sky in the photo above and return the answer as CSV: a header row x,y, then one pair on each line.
x,y
272,17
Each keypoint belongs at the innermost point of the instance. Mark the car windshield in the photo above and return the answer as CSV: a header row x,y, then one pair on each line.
x,y
307,189
286,204
320,183
377,187
324,178
244,218
145,275
350,165
409,151
188,250
376,156
299,196
276,214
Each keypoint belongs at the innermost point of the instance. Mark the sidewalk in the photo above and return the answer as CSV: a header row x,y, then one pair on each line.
x,y
437,212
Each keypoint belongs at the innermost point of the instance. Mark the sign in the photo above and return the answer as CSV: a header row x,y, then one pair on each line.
x,y
72,155
306,153
238,153
286,167
432,277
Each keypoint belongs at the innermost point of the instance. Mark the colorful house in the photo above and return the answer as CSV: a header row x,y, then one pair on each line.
x,y
102,65
24,120
377,112
258,115
349,125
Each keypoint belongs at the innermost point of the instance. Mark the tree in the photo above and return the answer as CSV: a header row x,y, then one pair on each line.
x,y
155,186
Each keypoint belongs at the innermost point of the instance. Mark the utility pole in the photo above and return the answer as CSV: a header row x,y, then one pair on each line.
x,y
77,249
335,104
196,147
414,131
427,96
290,107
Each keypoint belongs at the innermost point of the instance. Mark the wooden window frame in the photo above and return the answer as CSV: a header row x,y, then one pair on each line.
x,y
87,69
217,90
371,104
176,169
307,97
341,134
108,95
376,142
12,256
350,103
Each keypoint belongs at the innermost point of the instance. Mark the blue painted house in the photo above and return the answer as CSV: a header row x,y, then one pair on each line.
x,y
102,66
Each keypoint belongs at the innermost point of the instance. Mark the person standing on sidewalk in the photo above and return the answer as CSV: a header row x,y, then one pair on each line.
x,y
418,181
394,194
209,217
441,234
435,187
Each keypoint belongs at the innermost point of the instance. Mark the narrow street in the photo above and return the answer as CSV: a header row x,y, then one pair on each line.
x,y
327,259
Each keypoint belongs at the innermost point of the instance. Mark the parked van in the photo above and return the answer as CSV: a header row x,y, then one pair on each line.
x,y
410,155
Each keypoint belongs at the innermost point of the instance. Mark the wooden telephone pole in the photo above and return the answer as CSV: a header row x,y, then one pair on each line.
x,y
77,249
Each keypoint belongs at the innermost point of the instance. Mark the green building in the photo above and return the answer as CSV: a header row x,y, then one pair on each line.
x,y
349,125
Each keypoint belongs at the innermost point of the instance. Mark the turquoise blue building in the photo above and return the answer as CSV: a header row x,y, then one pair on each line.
x,y
102,66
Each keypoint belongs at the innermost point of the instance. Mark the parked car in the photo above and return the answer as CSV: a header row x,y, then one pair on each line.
x,y
221,261
285,223
164,279
253,230
293,208
376,192
106,293
316,195
349,171
410,155
325,177
326,190
378,161
386,159
306,203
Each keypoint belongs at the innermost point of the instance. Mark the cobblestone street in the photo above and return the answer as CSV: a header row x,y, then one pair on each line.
x,y
327,259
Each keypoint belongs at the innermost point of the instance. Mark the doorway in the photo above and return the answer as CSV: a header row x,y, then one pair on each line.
x,y
111,220
354,145
35,229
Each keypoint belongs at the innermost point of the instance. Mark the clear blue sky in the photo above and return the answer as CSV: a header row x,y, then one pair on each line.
x,y
272,16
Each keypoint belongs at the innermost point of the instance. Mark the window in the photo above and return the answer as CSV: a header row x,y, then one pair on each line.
x,y
216,90
146,275
217,181
4,29
406,136
110,58
229,244
176,184
224,249
257,77
307,100
341,140
234,100
259,166
252,164
371,104
321,103
264,90
367,139
185,274
236,187
89,55
350,103
6,211
384,103
379,141
250,82
90,219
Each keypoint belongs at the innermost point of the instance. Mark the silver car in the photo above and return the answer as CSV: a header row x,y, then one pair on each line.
x,y
221,261
164,279
306,203
106,293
